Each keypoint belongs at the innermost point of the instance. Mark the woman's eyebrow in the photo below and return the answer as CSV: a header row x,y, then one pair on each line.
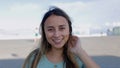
x,y
63,25
50,27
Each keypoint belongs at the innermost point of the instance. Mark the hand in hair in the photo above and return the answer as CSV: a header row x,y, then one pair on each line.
x,y
74,44
75,47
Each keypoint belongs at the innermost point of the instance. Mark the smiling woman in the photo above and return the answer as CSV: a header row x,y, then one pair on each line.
x,y
57,31
58,48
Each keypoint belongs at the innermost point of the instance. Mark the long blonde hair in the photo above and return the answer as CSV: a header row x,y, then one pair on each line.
x,y
68,57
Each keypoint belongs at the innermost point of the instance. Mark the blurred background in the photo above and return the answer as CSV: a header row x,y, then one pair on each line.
x,y
89,17
96,22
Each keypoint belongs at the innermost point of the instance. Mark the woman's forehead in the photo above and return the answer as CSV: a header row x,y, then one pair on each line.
x,y
56,20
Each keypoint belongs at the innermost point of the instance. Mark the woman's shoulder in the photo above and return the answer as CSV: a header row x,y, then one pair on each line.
x,y
31,58
33,53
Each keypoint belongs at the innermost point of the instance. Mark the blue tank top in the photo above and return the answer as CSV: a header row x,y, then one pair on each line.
x,y
45,63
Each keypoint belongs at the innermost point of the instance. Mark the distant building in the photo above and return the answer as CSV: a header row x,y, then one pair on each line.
x,y
115,31
109,32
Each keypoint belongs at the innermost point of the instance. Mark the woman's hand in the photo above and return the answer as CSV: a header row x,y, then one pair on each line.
x,y
75,45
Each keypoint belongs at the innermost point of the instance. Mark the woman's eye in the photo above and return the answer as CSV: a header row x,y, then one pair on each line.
x,y
62,28
50,29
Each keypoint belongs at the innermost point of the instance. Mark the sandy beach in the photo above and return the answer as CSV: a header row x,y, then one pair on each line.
x,y
105,50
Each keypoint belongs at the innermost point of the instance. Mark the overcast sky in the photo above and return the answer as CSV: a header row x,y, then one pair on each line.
x,y
27,14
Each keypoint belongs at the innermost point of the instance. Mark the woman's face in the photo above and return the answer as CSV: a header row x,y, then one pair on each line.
x,y
56,31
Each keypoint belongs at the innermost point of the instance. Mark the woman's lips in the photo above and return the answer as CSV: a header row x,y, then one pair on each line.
x,y
57,41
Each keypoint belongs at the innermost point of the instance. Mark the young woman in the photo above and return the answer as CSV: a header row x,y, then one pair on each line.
x,y
58,47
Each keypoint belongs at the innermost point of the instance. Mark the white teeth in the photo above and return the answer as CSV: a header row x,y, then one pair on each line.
x,y
57,41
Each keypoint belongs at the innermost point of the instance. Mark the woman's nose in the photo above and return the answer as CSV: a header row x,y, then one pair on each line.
x,y
56,33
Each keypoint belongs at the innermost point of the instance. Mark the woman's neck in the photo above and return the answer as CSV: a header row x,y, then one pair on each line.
x,y
55,55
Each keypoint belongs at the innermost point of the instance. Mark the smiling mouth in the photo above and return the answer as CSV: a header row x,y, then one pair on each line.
x,y
57,41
